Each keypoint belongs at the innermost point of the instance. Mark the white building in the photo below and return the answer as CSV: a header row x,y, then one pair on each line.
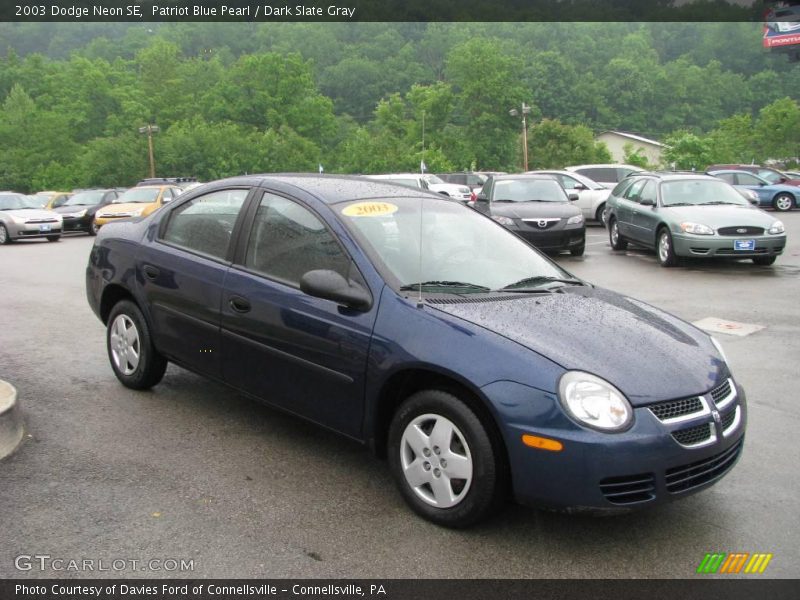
x,y
616,141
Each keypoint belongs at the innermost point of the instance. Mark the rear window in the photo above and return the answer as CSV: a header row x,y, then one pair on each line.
x,y
600,173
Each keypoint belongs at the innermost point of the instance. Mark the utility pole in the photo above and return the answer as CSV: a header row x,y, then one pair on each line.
x,y
525,111
150,130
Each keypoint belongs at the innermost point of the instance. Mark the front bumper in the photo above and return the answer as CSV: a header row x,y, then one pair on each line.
x,y
23,231
77,223
571,236
715,246
643,466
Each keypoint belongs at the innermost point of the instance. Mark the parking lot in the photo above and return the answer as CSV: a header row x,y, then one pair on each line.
x,y
191,471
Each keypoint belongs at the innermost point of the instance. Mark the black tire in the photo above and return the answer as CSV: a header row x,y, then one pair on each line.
x,y
783,202
578,251
600,215
53,238
665,251
150,367
93,228
484,491
764,261
5,237
615,239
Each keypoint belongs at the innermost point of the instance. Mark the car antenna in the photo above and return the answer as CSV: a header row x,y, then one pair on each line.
x,y
419,289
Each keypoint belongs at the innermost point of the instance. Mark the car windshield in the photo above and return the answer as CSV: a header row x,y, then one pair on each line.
x,y
138,195
401,181
15,201
444,247
699,191
85,199
435,179
528,190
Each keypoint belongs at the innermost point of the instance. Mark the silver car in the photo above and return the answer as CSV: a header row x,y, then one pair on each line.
x,y
21,219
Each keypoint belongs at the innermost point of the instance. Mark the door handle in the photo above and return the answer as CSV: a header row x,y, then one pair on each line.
x,y
239,304
150,272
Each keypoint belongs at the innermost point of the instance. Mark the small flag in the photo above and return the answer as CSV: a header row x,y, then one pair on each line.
x,y
422,166
320,168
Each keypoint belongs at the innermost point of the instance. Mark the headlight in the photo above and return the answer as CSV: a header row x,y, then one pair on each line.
x,y
777,227
594,401
137,212
575,220
18,220
696,228
718,346
75,215
752,195
503,220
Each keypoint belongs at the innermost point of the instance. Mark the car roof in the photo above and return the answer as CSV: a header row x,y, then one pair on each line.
x,y
539,176
603,166
330,189
671,176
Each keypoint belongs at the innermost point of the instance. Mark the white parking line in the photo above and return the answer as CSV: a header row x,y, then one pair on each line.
x,y
716,325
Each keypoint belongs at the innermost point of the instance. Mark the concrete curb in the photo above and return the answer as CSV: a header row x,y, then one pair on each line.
x,y
10,419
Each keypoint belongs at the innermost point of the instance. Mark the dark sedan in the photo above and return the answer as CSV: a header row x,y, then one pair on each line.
x,y
426,331
536,208
79,211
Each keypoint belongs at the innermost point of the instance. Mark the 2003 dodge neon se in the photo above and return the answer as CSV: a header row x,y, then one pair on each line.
x,y
424,329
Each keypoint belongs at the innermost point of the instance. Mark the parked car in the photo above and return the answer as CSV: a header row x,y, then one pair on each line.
x,y
682,215
768,173
780,196
428,182
474,181
591,195
536,208
342,299
79,211
607,175
50,200
178,181
136,202
21,218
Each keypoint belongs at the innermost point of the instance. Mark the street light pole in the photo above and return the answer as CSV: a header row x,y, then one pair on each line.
x,y
150,130
525,111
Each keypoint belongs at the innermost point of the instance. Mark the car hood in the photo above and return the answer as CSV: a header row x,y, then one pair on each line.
x,y
722,215
531,210
31,213
646,353
65,210
113,209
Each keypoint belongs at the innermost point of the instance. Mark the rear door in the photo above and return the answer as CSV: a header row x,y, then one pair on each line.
x,y
182,272
626,204
646,217
304,354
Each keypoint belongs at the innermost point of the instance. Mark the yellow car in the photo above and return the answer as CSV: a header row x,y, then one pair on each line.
x,y
50,200
136,202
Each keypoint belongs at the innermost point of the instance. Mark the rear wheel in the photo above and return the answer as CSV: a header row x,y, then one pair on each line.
x,y
134,359
764,261
443,460
664,249
617,241
783,202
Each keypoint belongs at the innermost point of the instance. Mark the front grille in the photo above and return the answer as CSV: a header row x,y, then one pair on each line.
x,y
743,230
722,391
38,233
732,252
728,419
534,223
676,408
694,435
476,300
629,489
37,221
686,477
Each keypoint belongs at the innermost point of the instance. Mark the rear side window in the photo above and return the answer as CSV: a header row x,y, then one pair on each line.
x,y
288,240
729,177
205,224
600,173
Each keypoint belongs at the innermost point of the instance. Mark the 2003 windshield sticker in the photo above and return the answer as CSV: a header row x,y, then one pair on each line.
x,y
369,209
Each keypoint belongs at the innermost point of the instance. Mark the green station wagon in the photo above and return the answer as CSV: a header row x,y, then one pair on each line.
x,y
687,215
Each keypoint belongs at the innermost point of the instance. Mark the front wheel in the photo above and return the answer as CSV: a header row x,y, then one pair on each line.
x,y
134,359
764,261
53,238
93,228
443,460
783,202
601,215
664,249
5,238
616,240
578,251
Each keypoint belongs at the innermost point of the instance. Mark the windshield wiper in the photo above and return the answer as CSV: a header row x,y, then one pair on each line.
x,y
531,282
530,200
444,284
720,202
679,204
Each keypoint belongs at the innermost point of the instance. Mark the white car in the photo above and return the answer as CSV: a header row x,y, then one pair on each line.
x,y
591,195
425,181
608,175
21,219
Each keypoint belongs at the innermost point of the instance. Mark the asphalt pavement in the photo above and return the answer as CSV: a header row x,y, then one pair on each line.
x,y
192,472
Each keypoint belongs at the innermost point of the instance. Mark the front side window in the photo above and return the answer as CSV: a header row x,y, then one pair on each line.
x,y
730,177
747,179
288,240
205,224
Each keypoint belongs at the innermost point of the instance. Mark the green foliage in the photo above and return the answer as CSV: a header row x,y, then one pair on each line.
x,y
553,145
635,156
687,151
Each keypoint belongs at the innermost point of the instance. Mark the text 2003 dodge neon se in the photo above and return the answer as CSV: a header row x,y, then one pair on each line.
x,y
427,331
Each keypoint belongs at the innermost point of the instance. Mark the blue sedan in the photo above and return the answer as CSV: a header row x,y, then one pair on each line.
x,y
427,332
780,196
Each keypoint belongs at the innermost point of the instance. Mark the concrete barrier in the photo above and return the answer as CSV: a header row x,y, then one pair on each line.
x,y
10,419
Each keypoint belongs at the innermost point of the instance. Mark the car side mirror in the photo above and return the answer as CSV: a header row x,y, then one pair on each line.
x,y
579,187
481,197
330,285
573,196
647,202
